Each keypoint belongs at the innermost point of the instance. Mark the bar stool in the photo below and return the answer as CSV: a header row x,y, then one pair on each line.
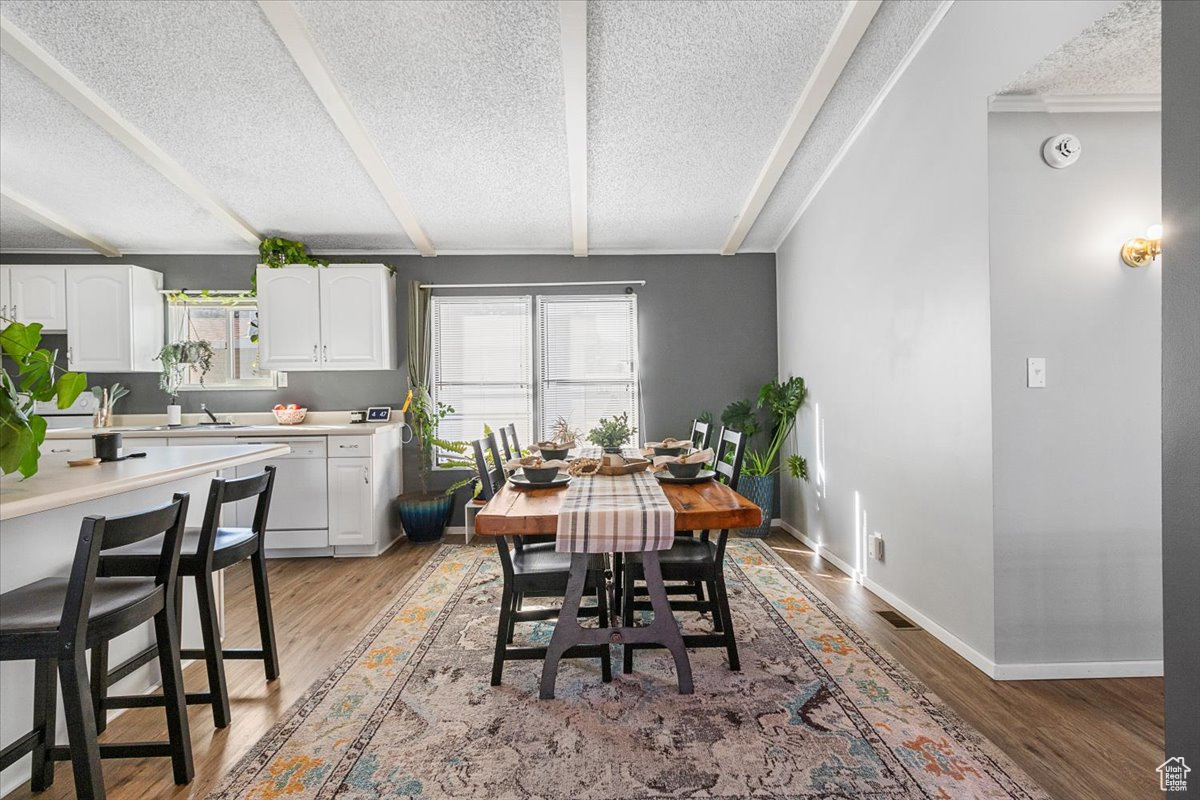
x,y
55,620
204,552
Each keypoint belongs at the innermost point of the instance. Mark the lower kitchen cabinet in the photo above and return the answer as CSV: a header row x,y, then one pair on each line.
x,y
351,502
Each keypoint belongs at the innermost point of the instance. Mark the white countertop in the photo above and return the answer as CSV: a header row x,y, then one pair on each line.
x,y
303,429
57,485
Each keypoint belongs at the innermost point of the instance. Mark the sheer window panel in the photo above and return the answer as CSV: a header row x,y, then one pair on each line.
x,y
588,349
483,364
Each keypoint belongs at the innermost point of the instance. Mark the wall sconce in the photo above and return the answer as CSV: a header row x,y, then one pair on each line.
x,y
1141,251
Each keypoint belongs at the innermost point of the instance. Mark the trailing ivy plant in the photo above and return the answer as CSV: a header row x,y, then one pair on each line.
x,y
38,378
177,357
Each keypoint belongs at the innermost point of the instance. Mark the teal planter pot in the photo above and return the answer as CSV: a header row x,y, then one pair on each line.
x,y
424,516
760,490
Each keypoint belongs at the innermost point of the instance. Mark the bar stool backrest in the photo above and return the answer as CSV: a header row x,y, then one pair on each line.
x,y
701,434
98,533
222,491
491,478
731,449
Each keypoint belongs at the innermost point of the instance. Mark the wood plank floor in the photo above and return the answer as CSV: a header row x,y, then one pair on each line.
x,y
1078,739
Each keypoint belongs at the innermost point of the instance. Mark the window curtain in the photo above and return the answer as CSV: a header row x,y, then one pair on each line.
x,y
418,338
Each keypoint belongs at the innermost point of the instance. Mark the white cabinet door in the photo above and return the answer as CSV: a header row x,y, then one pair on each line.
x,y
98,319
5,293
353,329
289,314
351,502
38,294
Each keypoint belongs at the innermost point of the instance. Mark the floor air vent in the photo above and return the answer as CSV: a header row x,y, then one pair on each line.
x,y
897,620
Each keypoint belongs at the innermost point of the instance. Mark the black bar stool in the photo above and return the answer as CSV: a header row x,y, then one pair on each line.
x,y
205,552
55,620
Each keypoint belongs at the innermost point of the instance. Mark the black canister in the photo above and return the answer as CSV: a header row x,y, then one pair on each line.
x,y
107,446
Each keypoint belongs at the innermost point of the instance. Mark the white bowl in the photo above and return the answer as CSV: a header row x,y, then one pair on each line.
x,y
290,416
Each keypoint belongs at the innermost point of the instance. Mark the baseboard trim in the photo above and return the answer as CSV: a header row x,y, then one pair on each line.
x,y
973,656
1063,670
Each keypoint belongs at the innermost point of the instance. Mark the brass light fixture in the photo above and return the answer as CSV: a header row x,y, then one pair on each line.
x,y
1141,251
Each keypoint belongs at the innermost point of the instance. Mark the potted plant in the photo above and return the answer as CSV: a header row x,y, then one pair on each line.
x,y
562,438
176,359
760,468
40,379
611,433
425,514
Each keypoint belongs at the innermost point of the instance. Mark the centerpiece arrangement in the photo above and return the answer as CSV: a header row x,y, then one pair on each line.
x,y
563,437
611,433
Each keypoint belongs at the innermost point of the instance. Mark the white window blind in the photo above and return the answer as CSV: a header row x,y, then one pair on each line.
x,y
228,326
588,359
483,363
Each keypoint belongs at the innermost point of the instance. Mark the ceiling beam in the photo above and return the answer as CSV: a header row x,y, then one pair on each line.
x,y
572,16
55,222
849,31
290,27
33,57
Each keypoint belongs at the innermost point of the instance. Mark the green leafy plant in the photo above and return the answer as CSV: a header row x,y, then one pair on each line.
x,y
466,461
39,378
107,398
741,416
612,432
783,402
427,417
178,357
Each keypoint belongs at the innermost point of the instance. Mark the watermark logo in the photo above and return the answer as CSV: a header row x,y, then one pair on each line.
x,y
1172,775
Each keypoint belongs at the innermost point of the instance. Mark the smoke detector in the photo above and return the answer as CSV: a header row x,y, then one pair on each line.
x,y
1062,150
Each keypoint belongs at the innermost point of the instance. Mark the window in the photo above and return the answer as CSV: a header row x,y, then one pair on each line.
x,y
228,326
588,351
485,365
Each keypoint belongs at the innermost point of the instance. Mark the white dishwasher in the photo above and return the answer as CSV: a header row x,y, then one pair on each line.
x,y
298,523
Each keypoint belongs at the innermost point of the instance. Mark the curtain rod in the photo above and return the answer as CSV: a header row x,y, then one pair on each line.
x,y
517,285
201,292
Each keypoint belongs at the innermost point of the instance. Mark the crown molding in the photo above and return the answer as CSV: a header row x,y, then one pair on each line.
x,y
1075,103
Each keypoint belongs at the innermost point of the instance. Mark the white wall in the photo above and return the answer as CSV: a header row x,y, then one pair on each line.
x,y
883,308
1077,478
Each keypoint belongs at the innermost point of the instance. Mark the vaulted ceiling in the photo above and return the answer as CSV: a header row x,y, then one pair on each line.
x,y
439,127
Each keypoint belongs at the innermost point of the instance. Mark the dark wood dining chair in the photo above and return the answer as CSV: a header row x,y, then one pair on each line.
x,y
508,440
54,621
699,562
701,434
535,569
205,551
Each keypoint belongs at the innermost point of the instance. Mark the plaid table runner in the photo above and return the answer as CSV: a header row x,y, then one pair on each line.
x,y
615,513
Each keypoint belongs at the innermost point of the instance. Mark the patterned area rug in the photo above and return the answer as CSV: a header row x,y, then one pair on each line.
x,y
816,712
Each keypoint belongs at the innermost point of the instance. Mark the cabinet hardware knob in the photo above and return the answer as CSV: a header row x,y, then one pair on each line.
x,y
366,476
60,449
314,354
324,352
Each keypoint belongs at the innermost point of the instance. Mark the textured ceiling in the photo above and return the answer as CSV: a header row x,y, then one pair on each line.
x,y
16,226
1120,53
465,103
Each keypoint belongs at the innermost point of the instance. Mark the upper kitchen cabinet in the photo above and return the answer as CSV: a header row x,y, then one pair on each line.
x,y
328,318
35,294
114,319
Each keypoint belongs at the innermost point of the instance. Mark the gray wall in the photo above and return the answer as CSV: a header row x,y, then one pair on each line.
x,y
1181,379
883,291
706,325
1076,477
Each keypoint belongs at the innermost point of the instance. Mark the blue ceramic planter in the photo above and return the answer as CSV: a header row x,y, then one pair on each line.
x,y
760,490
424,516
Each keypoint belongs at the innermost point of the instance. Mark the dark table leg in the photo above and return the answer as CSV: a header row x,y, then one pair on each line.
x,y
568,633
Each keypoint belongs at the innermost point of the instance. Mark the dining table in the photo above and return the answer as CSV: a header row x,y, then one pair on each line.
x,y
515,511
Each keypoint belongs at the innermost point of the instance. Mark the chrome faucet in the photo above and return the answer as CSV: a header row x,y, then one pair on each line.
x,y
204,408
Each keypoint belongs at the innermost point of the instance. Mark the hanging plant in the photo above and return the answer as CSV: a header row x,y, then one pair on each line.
x,y
179,357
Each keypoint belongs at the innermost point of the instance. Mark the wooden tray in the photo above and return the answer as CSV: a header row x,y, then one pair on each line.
x,y
628,468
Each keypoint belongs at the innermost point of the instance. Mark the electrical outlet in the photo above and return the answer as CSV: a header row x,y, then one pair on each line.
x,y
282,380
875,547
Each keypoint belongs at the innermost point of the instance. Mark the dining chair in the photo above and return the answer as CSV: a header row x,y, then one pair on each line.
x,y
701,434
205,552
508,440
697,561
535,569
54,621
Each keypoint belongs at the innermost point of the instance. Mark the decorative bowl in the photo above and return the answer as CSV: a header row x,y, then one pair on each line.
x,y
670,451
684,470
552,454
290,416
540,474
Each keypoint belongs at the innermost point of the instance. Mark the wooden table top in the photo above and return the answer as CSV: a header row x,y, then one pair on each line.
x,y
701,506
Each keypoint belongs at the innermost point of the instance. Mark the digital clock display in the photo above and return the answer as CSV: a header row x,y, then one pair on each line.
x,y
379,414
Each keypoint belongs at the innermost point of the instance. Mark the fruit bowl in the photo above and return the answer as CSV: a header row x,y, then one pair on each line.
x,y
289,416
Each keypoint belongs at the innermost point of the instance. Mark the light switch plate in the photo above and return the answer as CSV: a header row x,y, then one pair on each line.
x,y
1035,373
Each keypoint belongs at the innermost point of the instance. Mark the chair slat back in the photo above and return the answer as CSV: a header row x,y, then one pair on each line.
x,y
701,434
731,449
491,478
504,445
512,447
